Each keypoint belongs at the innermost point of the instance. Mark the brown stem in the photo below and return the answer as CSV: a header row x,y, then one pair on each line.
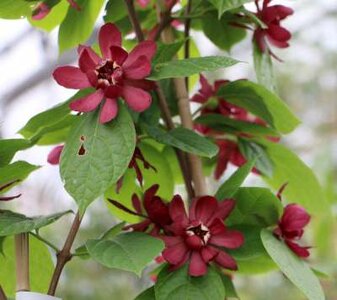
x,y
166,19
64,255
2,294
195,164
187,35
166,114
22,262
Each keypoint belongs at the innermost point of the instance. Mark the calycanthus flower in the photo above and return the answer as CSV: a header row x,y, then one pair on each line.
x,y
152,209
291,228
200,236
275,34
3,187
116,74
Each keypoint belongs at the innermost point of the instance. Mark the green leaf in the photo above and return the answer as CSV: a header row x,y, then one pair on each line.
x,y
115,11
163,177
96,156
178,285
221,32
303,187
190,66
148,294
17,9
225,124
229,287
251,257
130,251
261,102
13,223
297,271
8,149
41,266
184,139
233,183
53,19
255,206
166,52
16,171
251,150
78,25
224,5
264,69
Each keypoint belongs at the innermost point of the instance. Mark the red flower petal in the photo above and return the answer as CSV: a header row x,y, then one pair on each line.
x,y
139,69
87,103
109,111
206,89
177,209
226,261
113,91
118,54
109,35
208,253
203,209
197,265
224,209
199,98
87,61
136,203
54,155
41,11
230,239
193,242
294,218
175,254
297,249
137,99
71,77
278,33
146,48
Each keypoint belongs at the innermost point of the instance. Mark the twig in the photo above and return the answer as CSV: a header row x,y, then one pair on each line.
x,y
22,262
166,114
187,35
64,255
39,237
2,294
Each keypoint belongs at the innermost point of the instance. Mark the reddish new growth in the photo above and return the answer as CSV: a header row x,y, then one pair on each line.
x,y
116,74
291,228
274,33
212,104
197,238
55,155
5,186
42,9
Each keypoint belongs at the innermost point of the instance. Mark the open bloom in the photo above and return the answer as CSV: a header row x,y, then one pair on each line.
x,y
55,155
275,34
43,8
3,187
201,236
116,74
153,211
291,228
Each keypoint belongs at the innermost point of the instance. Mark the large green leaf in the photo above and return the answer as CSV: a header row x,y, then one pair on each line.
x,y
233,183
264,69
13,223
224,5
297,271
148,294
255,206
17,9
41,266
184,139
221,32
251,257
261,102
166,52
178,285
9,147
96,155
78,25
190,66
115,11
162,176
130,251
225,124
16,171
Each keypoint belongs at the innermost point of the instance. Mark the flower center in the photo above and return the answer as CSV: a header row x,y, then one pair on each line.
x,y
200,231
108,73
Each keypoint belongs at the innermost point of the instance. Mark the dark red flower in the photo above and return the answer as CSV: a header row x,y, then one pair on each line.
x,y
152,209
117,74
43,8
275,34
55,155
3,187
137,156
201,236
291,228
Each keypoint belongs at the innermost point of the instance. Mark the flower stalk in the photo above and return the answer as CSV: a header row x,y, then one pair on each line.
x,y
22,262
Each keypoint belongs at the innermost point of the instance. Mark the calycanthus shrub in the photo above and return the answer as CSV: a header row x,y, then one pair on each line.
x,y
141,127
